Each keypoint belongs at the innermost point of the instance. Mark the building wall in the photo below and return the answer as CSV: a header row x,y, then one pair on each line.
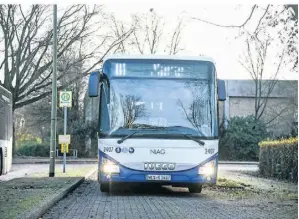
x,y
278,114
281,107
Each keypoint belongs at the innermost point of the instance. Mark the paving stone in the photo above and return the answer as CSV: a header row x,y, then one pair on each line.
x,y
87,201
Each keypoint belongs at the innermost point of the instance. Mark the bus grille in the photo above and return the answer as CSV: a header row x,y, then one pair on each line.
x,y
5,152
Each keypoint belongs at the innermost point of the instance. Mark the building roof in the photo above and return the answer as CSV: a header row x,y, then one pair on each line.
x,y
246,88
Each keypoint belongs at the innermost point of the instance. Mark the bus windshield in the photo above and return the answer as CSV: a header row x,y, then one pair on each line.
x,y
159,105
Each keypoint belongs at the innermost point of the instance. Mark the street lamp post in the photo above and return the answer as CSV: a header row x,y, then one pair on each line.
x,y
54,97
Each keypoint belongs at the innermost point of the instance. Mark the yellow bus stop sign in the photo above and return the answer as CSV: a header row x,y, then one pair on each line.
x,y
66,146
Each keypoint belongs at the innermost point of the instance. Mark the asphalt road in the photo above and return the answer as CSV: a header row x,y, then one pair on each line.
x,y
237,167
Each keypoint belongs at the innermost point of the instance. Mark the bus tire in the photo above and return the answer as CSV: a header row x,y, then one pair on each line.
x,y
104,187
195,188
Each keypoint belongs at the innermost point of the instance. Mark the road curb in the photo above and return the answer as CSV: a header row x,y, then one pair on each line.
x,y
56,162
39,211
239,162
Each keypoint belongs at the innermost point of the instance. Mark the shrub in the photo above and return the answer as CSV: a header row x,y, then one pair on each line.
x,y
34,149
80,132
26,139
240,140
279,159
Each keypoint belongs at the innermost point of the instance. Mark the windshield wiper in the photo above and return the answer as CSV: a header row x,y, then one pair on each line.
x,y
201,143
146,126
126,137
184,127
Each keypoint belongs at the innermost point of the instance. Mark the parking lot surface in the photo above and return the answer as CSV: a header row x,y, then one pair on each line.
x,y
166,202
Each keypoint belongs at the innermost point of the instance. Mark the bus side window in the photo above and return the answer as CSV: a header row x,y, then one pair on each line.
x,y
104,119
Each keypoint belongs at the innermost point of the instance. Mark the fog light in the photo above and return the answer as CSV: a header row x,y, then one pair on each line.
x,y
110,168
208,169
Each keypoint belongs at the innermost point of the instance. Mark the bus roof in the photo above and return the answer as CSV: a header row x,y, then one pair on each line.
x,y
168,57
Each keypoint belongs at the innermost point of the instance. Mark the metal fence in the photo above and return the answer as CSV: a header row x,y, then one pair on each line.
x,y
73,153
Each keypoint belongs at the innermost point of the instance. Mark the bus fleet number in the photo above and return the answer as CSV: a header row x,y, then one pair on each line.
x,y
108,149
210,150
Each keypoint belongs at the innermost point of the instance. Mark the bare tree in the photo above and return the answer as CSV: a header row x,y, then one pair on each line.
x,y
149,35
254,63
176,38
148,32
193,113
284,18
131,109
36,116
119,30
26,38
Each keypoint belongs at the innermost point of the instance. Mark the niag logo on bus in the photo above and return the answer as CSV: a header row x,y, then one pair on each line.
x,y
159,166
157,151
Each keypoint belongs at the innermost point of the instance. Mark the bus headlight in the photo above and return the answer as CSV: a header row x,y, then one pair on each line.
x,y
207,169
109,167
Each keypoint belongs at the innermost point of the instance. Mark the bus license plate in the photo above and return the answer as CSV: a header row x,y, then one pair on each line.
x,y
158,177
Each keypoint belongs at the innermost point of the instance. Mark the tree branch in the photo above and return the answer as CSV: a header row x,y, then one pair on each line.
x,y
229,26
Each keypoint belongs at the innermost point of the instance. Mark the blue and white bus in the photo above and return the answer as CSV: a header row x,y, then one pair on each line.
x,y
6,130
158,120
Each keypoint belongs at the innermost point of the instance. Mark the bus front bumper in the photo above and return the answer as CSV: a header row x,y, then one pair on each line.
x,y
166,178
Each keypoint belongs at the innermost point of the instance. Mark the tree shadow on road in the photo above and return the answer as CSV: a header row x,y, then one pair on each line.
x,y
152,190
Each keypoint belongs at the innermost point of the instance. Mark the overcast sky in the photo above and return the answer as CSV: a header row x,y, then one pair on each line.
x,y
200,38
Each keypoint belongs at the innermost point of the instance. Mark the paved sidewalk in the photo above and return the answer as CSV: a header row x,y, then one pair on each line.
x,y
45,160
27,170
166,203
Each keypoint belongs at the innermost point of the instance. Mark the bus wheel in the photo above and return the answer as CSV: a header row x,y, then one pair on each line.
x,y
195,188
104,187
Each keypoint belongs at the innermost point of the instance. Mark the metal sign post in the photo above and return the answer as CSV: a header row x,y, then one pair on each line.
x,y
64,128
65,100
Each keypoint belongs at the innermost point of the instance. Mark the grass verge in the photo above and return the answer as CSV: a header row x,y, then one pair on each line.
x,y
20,195
69,172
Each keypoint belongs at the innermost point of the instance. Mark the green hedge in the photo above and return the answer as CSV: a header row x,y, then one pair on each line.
x,y
279,159
35,149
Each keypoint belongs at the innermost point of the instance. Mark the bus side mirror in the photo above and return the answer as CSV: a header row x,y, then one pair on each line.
x,y
221,90
93,84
